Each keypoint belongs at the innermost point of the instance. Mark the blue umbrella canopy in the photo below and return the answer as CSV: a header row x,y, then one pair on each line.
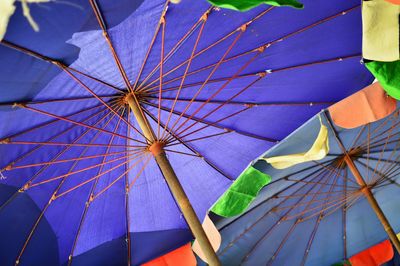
x,y
317,212
216,86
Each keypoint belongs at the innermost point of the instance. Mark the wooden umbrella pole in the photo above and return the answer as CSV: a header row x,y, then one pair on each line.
x,y
372,201
157,148
365,189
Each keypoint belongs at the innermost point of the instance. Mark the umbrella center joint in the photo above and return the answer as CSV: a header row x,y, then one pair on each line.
x,y
157,147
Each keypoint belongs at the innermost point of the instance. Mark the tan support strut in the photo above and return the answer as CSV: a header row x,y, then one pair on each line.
x,y
372,201
157,148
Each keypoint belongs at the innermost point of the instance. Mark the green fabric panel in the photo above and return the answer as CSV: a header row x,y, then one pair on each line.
x,y
343,263
241,193
388,75
244,5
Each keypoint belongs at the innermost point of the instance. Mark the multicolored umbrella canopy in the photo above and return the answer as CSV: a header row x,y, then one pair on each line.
x,y
319,212
217,87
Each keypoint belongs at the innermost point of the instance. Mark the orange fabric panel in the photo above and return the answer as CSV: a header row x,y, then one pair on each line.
x,y
365,106
182,256
374,256
396,2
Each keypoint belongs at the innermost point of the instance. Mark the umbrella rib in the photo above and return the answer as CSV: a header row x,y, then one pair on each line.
x,y
54,62
67,70
80,171
67,160
67,144
310,182
344,12
217,92
267,233
320,217
212,165
203,138
220,120
369,147
174,88
310,241
47,205
224,128
283,242
261,203
300,219
75,122
96,177
208,77
335,205
151,45
382,151
101,100
364,188
102,24
391,172
163,22
216,125
45,124
184,75
329,169
55,100
183,153
175,48
344,214
312,236
268,71
376,159
358,137
139,173
21,157
246,24
385,122
27,185
118,178
89,196
323,206
326,176
311,103
45,167
309,194
127,215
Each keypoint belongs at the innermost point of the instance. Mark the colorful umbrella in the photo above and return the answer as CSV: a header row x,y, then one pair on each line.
x,y
202,89
320,212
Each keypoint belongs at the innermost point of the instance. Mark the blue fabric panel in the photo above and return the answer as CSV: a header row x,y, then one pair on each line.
x,y
145,247
15,227
305,190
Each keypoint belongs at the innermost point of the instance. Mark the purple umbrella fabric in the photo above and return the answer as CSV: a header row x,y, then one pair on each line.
x,y
76,173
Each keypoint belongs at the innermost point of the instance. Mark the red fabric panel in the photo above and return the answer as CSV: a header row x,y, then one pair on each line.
x,y
374,256
182,256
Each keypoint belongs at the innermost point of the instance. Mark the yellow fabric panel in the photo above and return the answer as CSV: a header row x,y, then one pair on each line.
x,y
7,8
318,151
381,31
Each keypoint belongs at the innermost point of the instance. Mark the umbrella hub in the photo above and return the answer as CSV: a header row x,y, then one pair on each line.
x,y
354,153
157,147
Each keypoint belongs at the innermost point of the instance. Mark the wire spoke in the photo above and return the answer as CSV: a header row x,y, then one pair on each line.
x,y
344,12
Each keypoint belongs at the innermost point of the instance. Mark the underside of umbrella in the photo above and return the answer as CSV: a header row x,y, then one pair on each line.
x,y
324,211
202,90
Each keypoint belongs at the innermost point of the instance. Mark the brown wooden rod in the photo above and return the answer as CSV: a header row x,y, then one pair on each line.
x,y
367,191
374,204
173,182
